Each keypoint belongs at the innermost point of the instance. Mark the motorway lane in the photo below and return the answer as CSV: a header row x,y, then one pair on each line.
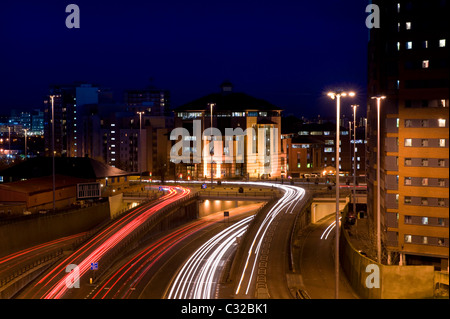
x,y
200,274
263,272
166,269
28,256
317,265
57,282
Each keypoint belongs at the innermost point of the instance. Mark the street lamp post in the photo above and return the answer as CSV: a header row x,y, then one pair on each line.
x,y
140,145
52,97
9,144
378,98
25,142
337,95
354,158
211,105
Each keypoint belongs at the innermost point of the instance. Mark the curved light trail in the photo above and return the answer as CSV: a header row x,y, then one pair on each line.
x,y
199,273
96,248
292,195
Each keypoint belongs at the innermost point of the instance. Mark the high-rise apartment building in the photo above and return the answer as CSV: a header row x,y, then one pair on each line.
x,y
151,101
409,65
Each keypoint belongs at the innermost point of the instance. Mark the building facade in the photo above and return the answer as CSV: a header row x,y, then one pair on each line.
x,y
409,65
245,141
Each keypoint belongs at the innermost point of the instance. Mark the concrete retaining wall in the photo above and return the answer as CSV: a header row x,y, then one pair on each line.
x,y
395,282
20,235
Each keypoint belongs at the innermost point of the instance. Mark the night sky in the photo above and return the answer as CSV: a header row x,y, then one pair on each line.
x,y
286,52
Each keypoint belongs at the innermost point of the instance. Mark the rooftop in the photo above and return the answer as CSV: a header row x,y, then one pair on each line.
x,y
227,100
79,167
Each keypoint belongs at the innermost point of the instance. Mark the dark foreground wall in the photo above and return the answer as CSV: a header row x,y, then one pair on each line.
x,y
20,235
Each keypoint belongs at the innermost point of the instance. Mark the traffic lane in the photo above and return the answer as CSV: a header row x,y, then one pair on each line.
x,y
249,268
200,274
317,264
162,274
122,281
278,257
28,256
56,276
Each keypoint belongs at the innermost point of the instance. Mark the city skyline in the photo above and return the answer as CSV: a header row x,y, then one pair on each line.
x,y
277,52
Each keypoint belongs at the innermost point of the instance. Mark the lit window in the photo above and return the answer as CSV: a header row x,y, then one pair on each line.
x,y
409,45
398,7
424,181
424,220
424,201
441,162
425,162
424,142
408,25
398,46
425,64
407,199
408,238
441,122
408,142
425,44
441,182
408,123
442,142
442,43
408,162
407,180
408,220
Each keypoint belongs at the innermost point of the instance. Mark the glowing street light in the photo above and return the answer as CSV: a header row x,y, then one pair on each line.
x,y
211,105
354,106
378,98
52,97
140,146
337,96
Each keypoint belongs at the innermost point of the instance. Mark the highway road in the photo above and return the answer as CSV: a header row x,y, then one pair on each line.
x,y
21,260
62,280
148,271
265,261
317,263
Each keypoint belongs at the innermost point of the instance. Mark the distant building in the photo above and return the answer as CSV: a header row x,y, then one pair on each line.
x,y
71,104
312,150
409,64
258,121
151,101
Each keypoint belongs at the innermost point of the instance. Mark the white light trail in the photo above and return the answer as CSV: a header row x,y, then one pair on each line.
x,y
200,271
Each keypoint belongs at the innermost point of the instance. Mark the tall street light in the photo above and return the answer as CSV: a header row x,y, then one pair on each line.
x,y
26,130
354,106
337,96
211,151
52,97
140,144
378,98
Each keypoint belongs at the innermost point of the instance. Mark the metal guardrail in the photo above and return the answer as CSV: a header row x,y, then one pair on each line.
x,y
22,270
302,294
269,194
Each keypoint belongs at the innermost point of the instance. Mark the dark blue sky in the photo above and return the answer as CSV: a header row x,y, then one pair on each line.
x,y
287,52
